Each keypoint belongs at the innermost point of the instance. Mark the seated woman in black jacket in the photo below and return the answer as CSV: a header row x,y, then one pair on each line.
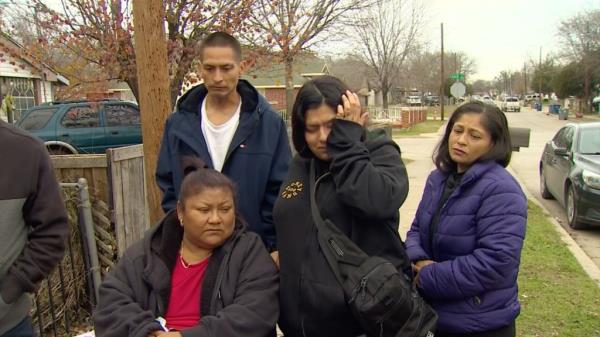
x,y
361,184
198,269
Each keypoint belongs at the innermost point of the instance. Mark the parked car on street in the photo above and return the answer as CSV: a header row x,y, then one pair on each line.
x,y
570,172
475,98
487,100
511,104
432,100
72,127
414,101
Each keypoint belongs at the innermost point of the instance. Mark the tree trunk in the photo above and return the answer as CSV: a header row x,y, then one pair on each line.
x,y
153,82
586,86
174,89
133,85
183,67
384,96
289,87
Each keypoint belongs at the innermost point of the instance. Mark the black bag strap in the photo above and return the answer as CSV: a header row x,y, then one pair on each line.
x,y
326,248
336,246
312,183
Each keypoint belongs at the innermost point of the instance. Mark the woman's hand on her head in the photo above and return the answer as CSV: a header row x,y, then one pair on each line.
x,y
350,109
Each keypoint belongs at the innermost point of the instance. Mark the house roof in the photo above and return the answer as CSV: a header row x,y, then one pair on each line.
x,y
49,73
304,68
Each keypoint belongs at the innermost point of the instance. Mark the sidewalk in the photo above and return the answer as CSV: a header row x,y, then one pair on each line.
x,y
419,150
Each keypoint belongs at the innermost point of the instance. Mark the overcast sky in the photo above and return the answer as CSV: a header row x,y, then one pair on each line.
x,y
500,34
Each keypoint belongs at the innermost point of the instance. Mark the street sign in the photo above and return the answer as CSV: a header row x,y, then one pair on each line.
x,y
458,89
458,76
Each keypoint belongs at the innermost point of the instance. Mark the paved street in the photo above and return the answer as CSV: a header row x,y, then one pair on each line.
x,y
418,150
524,164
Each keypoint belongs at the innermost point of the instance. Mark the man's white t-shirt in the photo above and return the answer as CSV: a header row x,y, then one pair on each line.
x,y
218,137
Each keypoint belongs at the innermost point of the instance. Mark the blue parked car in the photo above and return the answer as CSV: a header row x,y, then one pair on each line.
x,y
72,127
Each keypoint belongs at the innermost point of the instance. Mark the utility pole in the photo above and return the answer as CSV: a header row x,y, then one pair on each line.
x,y
153,81
456,70
442,86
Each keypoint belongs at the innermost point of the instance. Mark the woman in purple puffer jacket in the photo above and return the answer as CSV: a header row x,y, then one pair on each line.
x,y
465,242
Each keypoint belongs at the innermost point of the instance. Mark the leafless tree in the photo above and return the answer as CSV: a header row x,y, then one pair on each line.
x,y
353,71
294,26
481,86
423,69
580,36
387,34
101,33
462,63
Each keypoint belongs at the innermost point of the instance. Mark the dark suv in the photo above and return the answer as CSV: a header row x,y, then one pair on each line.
x,y
71,127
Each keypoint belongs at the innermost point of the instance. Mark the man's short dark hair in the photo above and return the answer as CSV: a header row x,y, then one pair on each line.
x,y
495,123
221,39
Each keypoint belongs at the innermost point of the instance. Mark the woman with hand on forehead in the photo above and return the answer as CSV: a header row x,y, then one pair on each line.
x,y
360,184
199,272
465,241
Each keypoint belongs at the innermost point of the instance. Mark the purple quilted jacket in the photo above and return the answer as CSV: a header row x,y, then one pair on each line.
x,y
477,246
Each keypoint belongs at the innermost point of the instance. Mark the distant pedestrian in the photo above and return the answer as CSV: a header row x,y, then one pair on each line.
x,y
33,226
361,184
199,272
466,238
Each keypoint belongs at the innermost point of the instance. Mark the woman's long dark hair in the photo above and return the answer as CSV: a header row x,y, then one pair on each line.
x,y
326,90
495,123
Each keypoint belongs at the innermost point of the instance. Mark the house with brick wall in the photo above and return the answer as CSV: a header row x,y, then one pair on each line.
x,y
269,80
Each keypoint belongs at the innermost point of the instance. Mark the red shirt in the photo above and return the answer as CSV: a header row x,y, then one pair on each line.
x,y
186,291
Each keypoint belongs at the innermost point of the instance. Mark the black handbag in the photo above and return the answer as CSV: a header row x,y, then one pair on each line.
x,y
382,299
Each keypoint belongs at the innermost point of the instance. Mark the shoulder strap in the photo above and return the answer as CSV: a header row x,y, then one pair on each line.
x,y
312,182
336,246
322,227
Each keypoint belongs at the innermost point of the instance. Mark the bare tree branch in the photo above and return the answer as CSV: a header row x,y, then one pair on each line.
x,y
387,35
291,27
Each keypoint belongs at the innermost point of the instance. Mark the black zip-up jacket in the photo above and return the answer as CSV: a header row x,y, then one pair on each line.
x,y
365,185
239,288
257,159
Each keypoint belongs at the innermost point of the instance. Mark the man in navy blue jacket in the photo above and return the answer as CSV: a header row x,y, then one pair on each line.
x,y
224,124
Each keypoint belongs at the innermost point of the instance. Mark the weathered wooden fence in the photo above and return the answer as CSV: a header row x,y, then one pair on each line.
x,y
118,216
92,167
116,179
128,200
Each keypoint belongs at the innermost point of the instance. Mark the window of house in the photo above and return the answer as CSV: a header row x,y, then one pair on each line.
x,y
23,93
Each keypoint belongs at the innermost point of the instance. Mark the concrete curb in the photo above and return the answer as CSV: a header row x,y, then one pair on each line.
x,y
582,258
